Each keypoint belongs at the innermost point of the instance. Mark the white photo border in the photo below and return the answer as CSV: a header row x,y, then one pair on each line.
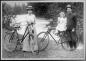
x,y
84,25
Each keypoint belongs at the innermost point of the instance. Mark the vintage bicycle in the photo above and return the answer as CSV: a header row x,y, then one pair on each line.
x,y
43,37
12,40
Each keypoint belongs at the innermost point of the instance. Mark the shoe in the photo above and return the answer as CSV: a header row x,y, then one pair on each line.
x,y
24,51
35,52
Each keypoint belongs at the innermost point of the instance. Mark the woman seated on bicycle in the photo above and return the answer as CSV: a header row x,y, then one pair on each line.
x,y
61,23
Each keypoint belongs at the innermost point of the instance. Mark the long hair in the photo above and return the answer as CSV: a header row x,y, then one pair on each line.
x,y
62,11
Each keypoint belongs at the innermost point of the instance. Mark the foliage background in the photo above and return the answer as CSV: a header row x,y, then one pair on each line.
x,y
48,11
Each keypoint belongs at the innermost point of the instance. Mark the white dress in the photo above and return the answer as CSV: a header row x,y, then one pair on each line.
x,y
23,19
62,24
27,46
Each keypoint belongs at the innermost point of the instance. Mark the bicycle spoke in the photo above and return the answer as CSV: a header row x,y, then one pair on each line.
x,y
10,42
43,39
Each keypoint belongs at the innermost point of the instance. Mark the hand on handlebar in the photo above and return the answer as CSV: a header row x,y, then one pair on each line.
x,y
30,23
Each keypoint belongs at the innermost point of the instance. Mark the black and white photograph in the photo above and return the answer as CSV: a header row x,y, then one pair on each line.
x,y
42,30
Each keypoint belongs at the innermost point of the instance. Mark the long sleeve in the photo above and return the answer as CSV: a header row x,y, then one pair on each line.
x,y
62,24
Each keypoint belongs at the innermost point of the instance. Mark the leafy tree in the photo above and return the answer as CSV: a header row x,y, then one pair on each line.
x,y
17,9
6,9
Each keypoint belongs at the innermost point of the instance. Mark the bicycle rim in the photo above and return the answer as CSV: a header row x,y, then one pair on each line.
x,y
43,41
9,44
69,45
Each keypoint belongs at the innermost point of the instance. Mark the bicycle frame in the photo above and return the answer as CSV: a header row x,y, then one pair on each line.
x,y
23,37
25,33
48,32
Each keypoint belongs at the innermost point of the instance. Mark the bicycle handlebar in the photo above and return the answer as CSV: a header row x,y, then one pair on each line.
x,y
49,27
16,28
30,24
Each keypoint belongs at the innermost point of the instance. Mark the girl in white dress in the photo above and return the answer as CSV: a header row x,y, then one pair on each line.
x,y
61,23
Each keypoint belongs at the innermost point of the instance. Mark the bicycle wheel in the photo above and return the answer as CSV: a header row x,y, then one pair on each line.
x,y
10,42
43,41
69,45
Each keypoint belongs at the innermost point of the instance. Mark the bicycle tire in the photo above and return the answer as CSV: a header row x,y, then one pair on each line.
x,y
66,44
9,44
41,46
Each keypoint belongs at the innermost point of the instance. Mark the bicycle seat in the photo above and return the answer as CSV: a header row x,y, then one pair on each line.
x,y
16,28
60,33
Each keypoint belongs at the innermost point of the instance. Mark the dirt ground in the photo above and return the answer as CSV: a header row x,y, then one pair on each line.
x,y
52,52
